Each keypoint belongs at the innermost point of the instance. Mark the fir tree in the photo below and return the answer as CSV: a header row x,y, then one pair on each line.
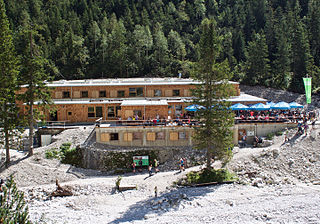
x,y
215,134
257,63
13,208
9,71
34,77
301,57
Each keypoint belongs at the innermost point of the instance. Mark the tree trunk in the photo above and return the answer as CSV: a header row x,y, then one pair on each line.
x,y
7,146
209,155
31,129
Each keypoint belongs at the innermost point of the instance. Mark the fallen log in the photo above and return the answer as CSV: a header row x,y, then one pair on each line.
x,y
127,188
211,183
61,191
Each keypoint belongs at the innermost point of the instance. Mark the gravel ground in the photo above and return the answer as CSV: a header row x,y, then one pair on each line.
x,y
277,184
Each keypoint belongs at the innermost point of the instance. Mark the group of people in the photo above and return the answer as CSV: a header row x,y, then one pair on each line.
x,y
276,115
155,168
150,167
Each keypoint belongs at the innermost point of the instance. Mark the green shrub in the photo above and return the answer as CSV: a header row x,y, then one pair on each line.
x,y
66,154
270,136
53,154
207,176
71,156
65,146
13,208
279,133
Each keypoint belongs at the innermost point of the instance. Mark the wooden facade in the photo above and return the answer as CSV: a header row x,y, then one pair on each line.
x,y
87,100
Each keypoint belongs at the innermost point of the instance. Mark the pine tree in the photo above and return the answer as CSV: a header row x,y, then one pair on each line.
x,y
215,135
177,51
313,24
13,208
301,58
160,55
9,71
34,77
257,63
281,75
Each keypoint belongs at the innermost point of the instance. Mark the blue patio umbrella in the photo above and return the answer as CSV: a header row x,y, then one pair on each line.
x,y
239,106
260,106
281,106
193,107
271,104
295,105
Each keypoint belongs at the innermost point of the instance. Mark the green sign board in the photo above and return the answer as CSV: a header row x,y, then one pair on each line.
x,y
144,159
307,86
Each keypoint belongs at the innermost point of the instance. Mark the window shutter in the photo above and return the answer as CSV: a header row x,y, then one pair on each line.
x,y
105,137
151,136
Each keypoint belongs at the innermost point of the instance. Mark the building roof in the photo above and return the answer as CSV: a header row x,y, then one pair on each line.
x,y
144,102
151,101
125,82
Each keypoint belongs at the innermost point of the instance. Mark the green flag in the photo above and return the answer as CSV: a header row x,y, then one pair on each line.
x,y
307,86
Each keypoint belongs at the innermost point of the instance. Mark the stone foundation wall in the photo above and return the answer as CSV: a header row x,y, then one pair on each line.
x,y
119,159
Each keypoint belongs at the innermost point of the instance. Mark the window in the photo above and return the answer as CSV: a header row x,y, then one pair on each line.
x,y
99,112
182,135
139,91
114,136
136,91
69,113
176,92
91,112
66,94
102,93
111,112
84,94
120,93
160,135
95,112
169,109
157,92
137,135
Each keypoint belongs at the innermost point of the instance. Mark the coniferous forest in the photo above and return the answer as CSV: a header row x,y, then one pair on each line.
x,y
267,42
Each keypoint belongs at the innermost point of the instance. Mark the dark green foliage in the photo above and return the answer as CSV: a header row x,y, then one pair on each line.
x,y
34,73
13,208
71,156
207,176
94,39
278,133
257,65
270,136
215,135
65,146
53,154
9,71
66,154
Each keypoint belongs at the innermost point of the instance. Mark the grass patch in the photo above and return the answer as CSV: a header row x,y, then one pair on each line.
x,y
208,176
